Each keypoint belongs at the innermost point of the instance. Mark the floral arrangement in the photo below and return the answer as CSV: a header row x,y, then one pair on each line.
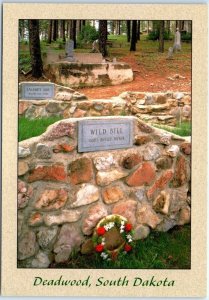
x,y
125,231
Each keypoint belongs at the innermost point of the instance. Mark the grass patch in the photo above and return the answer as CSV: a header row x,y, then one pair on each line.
x,y
30,128
183,129
161,250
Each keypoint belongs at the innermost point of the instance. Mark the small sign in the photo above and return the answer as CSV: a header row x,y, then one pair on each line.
x,y
95,135
35,91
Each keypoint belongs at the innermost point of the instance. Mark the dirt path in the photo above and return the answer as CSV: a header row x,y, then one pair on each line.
x,y
148,79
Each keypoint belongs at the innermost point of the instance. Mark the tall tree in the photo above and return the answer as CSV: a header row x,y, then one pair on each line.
x,y
74,33
103,37
35,49
138,30
128,27
133,36
55,30
62,35
50,32
161,38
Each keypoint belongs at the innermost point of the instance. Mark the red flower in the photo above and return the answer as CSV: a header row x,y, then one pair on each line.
x,y
101,230
127,248
128,227
99,248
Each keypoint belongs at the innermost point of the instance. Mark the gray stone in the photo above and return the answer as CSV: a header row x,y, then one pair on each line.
x,y
98,107
149,99
41,260
186,111
166,225
151,152
64,96
69,239
140,194
88,193
23,152
178,95
141,232
31,112
173,151
53,107
41,90
94,135
27,245
46,237
43,151
66,216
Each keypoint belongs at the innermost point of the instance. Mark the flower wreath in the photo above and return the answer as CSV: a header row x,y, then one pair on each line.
x,y
125,230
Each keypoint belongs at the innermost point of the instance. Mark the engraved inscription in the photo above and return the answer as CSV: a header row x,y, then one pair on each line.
x,y
37,91
97,135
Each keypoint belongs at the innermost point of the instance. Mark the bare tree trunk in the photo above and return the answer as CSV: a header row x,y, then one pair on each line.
x,y
118,27
161,38
103,37
128,27
62,31
55,28
35,49
138,31
74,33
133,36
50,32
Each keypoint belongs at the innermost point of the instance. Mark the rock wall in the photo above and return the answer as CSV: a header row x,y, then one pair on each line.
x,y
155,108
83,74
62,194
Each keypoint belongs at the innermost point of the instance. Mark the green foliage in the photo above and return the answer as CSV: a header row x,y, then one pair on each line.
x,y
186,36
154,35
182,129
30,128
24,62
160,250
88,34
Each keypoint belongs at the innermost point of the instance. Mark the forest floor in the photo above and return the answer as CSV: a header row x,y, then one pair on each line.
x,y
152,71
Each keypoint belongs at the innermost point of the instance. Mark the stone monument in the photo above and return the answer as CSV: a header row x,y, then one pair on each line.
x,y
177,41
69,48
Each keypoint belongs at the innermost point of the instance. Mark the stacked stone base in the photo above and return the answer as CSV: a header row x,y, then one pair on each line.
x,y
63,194
157,108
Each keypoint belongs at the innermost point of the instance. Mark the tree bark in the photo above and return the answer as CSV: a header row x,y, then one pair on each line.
x,y
103,37
35,49
161,38
128,27
62,33
138,31
55,30
50,32
133,36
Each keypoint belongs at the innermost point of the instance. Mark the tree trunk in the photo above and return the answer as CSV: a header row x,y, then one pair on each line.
x,y
169,26
35,49
62,31
118,27
84,23
133,36
74,33
50,32
55,28
128,27
161,38
103,37
138,31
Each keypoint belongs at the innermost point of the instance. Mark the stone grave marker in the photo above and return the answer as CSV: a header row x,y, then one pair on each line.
x,y
95,135
177,41
170,53
69,48
36,91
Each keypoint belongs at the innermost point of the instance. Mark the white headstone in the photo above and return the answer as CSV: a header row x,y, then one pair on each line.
x,y
170,53
177,41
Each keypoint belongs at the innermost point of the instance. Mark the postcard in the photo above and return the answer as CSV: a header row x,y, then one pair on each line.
x,y
104,150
